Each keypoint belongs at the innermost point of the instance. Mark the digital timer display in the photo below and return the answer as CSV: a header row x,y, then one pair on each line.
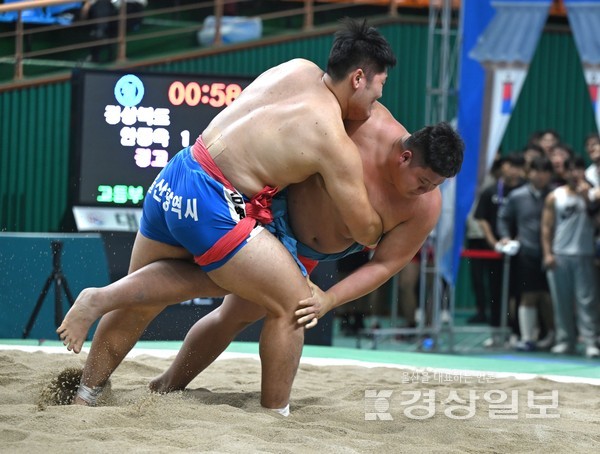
x,y
126,127
215,95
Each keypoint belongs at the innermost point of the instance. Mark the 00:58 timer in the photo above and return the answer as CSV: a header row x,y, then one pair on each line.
x,y
216,94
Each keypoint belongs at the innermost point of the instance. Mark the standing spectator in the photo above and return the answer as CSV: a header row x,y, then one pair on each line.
x,y
476,240
522,214
530,152
486,213
568,244
592,148
549,139
559,154
353,314
546,139
592,175
408,291
109,28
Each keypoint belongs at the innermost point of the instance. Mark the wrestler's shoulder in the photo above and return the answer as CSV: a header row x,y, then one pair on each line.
x,y
296,69
430,202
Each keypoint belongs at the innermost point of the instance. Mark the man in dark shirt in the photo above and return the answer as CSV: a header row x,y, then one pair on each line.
x,y
486,214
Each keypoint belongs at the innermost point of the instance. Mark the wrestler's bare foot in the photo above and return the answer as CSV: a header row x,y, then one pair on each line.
x,y
161,385
74,328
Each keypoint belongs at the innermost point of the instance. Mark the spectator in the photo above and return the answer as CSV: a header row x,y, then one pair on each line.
x,y
486,212
559,153
530,152
109,10
353,314
592,148
476,240
408,292
592,175
568,245
546,139
522,214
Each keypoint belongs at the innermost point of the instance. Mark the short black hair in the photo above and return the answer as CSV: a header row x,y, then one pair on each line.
x,y
541,164
563,146
552,132
575,162
533,146
515,159
537,135
358,45
440,148
591,136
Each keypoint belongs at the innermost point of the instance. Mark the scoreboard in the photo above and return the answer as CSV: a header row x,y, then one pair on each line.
x,y
127,125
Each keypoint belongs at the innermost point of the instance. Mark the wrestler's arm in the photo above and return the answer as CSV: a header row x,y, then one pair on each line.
x,y
394,252
342,172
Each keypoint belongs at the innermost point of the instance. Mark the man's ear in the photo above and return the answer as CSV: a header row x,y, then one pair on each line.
x,y
357,76
406,157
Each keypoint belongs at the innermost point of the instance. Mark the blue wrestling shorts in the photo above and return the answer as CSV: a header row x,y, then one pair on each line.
x,y
281,229
310,253
186,207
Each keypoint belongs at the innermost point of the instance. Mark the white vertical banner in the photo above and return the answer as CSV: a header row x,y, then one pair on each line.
x,y
584,18
592,79
507,84
505,49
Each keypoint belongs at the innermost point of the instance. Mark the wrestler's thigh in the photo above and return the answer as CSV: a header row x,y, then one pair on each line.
x,y
146,251
264,272
169,273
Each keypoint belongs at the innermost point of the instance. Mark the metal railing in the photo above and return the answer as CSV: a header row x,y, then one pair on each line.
x,y
308,10
23,35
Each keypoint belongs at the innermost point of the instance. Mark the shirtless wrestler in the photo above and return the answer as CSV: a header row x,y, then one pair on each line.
x,y
402,176
285,126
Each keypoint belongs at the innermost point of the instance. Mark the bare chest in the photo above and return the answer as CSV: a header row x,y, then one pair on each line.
x,y
392,209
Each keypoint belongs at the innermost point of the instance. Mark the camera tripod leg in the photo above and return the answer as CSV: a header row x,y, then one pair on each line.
x,y
57,300
70,298
61,284
38,306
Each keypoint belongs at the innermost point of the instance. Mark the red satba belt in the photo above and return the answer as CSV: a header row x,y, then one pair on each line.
x,y
258,209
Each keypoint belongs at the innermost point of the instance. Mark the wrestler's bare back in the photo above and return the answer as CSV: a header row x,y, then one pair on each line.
x,y
271,129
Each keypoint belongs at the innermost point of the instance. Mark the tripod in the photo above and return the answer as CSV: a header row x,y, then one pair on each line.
x,y
60,282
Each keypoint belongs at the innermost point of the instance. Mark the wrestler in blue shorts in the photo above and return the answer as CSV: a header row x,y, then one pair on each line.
x,y
186,207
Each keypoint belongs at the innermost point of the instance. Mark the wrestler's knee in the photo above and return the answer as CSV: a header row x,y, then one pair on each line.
x,y
238,320
264,272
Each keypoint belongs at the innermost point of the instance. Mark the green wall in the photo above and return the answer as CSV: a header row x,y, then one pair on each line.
x,y
34,122
34,157
404,90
